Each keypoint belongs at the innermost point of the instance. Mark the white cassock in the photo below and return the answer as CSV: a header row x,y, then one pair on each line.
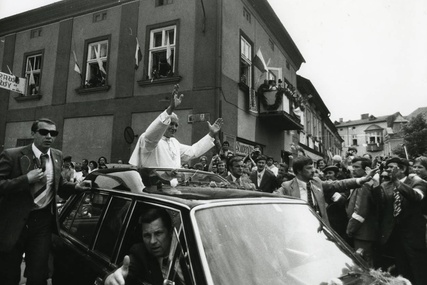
x,y
155,150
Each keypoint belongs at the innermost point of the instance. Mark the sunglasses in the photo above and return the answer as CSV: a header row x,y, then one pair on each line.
x,y
44,132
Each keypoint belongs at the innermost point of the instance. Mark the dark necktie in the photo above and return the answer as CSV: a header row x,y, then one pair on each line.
x,y
397,206
310,195
43,158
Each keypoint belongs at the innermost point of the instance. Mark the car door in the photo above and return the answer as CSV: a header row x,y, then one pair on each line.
x,y
178,255
90,229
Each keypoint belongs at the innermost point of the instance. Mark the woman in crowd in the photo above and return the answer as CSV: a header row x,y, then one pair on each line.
x,y
102,162
320,165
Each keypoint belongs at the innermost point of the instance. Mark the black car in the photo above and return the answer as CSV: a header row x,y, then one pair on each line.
x,y
227,236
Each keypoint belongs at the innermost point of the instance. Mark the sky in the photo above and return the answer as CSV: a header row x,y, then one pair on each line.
x,y
362,56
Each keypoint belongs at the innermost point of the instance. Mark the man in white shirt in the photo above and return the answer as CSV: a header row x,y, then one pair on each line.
x,y
157,147
263,178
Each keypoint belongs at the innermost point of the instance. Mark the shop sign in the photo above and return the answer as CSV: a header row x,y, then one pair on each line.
x,y
243,148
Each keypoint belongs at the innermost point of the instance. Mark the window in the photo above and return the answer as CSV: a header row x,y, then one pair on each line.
x,y
288,65
178,249
33,71
274,73
36,33
246,15
354,139
83,218
162,52
96,64
374,137
245,62
101,16
110,229
163,2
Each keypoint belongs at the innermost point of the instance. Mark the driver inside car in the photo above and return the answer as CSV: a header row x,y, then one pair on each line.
x,y
149,262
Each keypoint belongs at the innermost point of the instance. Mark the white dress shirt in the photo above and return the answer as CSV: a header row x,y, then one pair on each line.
x,y
260,174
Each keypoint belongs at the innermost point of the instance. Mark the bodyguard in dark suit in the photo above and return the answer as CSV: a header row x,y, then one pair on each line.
x,y
30,179
263,178
402,223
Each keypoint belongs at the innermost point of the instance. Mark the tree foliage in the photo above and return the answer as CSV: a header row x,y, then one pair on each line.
x,y
415,136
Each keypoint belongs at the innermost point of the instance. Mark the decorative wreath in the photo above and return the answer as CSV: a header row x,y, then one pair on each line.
x,y
277,102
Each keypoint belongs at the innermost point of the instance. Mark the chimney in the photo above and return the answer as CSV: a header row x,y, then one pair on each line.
x,y
341,120
365,116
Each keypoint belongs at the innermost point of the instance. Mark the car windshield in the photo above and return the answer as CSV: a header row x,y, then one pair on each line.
x,y
271,244
189,177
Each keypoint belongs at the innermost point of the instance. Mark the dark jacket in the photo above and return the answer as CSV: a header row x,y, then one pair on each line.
x,y
411,223
362,205
144,267
268,181
16,200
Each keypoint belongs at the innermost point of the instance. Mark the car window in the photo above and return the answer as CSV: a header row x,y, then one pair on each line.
x,y
199,178
178,253
111,226
83,218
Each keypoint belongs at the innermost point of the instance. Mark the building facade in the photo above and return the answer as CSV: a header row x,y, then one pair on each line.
x,y
320,137
377,136
79,59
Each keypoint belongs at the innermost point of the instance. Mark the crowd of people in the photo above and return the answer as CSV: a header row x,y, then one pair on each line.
x,y
77,171
377,205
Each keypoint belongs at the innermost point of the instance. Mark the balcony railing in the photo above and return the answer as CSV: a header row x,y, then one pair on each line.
x,y
372,147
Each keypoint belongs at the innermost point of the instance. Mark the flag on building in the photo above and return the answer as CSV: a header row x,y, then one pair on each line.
x,y
168,51
259,61
138,54
76,65
31,81
98,59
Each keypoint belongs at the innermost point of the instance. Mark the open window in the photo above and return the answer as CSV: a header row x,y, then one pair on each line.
x,y
162,51
178,263
274,74
109,233
82,220
33,72
245,62
96,63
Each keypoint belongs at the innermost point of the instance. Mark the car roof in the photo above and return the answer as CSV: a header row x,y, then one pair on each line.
x,y
130,179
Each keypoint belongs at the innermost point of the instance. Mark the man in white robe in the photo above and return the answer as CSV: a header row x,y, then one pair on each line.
x,y
157,147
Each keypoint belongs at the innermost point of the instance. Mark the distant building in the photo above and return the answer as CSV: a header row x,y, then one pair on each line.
x,y
374,135
320,137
